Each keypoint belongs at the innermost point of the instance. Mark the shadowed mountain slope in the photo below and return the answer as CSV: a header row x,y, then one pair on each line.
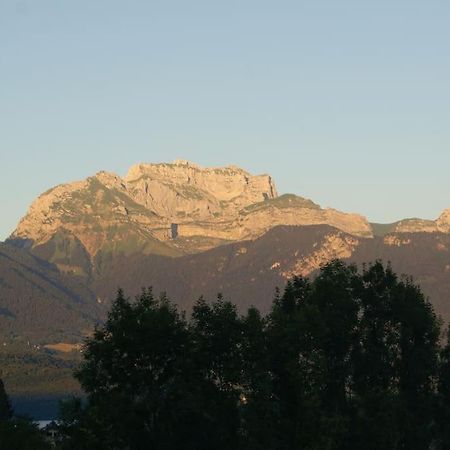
x,y
38,303
424,256
248,272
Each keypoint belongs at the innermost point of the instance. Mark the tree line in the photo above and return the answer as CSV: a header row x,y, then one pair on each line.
x,y
349,360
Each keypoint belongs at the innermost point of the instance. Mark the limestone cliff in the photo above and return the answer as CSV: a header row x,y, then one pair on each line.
x,y
443,222
416,226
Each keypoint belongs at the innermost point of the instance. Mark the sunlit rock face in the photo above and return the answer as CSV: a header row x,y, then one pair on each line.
x,y
440,225
183,187
443,222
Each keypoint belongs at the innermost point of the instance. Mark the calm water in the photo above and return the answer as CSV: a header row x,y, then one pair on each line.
x,y
43,423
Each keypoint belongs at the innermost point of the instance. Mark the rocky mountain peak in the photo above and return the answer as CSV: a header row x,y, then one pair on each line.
x,y
167,208
221,183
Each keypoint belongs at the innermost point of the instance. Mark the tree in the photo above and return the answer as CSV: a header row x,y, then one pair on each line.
x,y
18,433
22,434
396,362
216,333
6,411
259,413
348,360
136,371
78,426
443,412
354,357
311,334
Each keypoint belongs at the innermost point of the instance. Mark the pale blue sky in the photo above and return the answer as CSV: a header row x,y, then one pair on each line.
x,y
344,102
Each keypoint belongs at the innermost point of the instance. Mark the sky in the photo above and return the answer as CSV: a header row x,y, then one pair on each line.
x,y
344,102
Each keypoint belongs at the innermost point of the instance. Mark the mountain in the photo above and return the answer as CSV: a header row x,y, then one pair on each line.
x,y
246,272
40,304
249,271
423,255
185,230
164,209
191,231
44,315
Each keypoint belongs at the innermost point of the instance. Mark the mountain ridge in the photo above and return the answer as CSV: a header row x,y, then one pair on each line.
x,y
168,209
179,210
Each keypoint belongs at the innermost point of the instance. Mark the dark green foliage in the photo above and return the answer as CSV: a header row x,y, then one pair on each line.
x,y
152,382
396,361
134,372
6,411
18,433
347,361
443,415
258,411
77,426
22,434
361,364
312,331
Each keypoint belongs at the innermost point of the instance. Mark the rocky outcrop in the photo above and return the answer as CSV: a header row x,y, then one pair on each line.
x,y
440,225
333,246
443,222
416,226
257,222
396,240
186,189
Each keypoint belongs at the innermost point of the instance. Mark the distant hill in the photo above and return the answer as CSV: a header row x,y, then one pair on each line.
x,y
40,307
248,272
40,304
